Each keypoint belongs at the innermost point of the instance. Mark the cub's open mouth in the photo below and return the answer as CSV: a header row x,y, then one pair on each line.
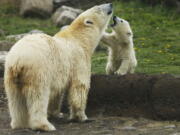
x,y
114,21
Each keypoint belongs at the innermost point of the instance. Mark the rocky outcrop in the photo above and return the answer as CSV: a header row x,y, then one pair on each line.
x,y
83,4
65,15
2,32
2,61
19,36
36,8
152,96
6,45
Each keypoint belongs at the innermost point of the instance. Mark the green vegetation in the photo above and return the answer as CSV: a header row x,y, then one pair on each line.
x,y
12,23
156,38
156,35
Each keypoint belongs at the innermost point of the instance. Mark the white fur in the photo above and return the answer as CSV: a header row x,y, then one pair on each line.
x,y
121,57
39,68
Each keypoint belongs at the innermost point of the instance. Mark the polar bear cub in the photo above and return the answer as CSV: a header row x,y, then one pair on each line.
x,y
39,68
121,57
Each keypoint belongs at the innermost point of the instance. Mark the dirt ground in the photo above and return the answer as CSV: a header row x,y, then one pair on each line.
x,y
100,124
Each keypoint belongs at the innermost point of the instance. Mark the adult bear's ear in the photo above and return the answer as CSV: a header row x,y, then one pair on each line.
x,y
88,22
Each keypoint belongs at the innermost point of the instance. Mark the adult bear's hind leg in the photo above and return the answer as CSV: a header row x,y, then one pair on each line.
x,y
37,103
55,103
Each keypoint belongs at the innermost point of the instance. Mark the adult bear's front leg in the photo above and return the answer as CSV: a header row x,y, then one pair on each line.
x,y
77,98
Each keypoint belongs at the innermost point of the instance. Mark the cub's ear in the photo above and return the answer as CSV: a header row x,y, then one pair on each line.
x,y
88,22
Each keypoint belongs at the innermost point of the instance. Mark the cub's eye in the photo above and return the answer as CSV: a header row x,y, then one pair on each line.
x,y
121,21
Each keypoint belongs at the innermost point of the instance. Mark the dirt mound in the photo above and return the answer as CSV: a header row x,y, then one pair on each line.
x,y
152,96
135,95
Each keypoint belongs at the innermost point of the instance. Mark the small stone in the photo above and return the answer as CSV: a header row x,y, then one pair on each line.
x,y
175,134
2,33
65,15
15,37
19,36
2,61
170,126
36,8
64,27
129,128
5,45
35,31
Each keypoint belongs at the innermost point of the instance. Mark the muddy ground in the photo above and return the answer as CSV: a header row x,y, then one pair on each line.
x,y
115,122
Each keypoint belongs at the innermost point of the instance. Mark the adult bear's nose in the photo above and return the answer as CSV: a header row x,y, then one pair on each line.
x,y
111,5
108,8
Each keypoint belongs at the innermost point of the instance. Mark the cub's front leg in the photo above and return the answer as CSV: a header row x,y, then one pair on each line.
x,y
124,67
108,38
109,68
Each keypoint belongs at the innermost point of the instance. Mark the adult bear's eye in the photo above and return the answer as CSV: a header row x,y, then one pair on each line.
x,y
121,21
89,22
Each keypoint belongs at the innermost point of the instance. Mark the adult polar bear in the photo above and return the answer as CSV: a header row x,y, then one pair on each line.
x,y
39,68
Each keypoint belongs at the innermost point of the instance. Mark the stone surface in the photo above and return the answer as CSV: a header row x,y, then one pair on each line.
x,y
36,8
2,61
84,4
65,15
166,98
6,45
64,27
19,36
2,33
151,96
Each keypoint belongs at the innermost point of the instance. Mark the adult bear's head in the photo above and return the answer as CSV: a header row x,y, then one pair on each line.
x,y
96,17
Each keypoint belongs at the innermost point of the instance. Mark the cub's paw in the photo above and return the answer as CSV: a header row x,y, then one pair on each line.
x,y
120,73
56,115
79,117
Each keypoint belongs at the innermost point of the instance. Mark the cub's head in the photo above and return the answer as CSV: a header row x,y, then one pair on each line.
x,y
121,27
96,17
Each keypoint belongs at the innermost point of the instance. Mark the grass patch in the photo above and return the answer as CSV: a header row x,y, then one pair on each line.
x,y
156,35
156,38
12,23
